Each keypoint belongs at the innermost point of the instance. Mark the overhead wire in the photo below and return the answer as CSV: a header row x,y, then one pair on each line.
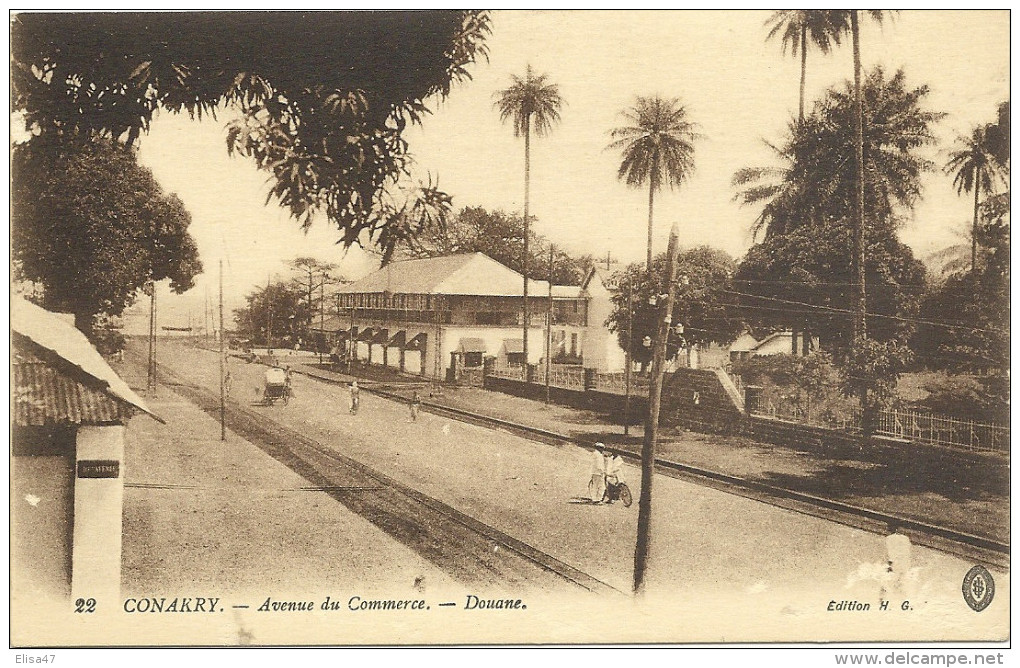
x,y
833,309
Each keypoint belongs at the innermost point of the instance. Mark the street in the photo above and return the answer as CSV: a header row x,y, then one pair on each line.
x,y
712,551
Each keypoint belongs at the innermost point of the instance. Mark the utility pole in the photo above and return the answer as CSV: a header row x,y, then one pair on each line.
x,y
626,357
150,376
548,330
665,312
223,367
269,307
322,313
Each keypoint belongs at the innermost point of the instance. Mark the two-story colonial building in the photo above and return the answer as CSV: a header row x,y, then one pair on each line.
x,y
438,316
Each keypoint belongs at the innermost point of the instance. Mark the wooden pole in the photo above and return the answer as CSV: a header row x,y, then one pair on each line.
x,y
548,331
223,367
150,380
322,314
644,527
628,363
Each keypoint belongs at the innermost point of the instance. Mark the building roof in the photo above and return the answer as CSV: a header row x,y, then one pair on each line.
x,y
53,337
331,323
44,396
470,344
463,274
774,336
744,343
513,346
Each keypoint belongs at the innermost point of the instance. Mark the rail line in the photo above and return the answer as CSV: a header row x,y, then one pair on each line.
x,y
977,548
471,551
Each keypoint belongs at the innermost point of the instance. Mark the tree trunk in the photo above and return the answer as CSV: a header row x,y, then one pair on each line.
x,y
527,193
974,229
860,331
651,202
803,71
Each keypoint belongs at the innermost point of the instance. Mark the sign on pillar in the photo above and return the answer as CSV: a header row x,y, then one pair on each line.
x,y
98,504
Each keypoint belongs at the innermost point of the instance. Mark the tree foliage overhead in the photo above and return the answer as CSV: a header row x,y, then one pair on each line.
x,y
92,227
702,303
325,96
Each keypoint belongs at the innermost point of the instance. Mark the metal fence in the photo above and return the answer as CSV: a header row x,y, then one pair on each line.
x,y
942,430
571,378
616,383
911,425
509,372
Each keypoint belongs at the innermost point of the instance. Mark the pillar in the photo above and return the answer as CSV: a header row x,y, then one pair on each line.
x,y
98,504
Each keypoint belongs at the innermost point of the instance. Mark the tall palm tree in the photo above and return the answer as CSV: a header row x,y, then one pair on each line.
x,y
798,27
975,167
848,20
658,147
525,100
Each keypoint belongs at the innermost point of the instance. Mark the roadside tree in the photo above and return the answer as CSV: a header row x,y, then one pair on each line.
x,y
92,227
274,315
702,307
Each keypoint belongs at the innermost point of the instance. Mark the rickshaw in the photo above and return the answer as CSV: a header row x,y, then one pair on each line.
x,y
277,387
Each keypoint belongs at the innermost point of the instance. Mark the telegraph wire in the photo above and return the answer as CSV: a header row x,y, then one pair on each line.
x,y
833,309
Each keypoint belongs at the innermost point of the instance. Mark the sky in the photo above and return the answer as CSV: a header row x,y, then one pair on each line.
x,y
738,88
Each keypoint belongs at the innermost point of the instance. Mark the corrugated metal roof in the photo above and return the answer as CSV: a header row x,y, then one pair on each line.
x,y
331,323
44,396
470,344
513,345
50,332
474,274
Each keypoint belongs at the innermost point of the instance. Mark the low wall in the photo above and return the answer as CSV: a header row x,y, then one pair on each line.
x,y
715,410
594,400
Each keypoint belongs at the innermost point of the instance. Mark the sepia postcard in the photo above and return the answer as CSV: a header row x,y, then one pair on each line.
x,y
511,328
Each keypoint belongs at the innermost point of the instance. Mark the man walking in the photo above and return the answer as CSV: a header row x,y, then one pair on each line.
x,y
597,484
415,406
355,397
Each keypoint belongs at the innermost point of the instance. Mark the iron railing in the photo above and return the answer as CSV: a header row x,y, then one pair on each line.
x,y
911,425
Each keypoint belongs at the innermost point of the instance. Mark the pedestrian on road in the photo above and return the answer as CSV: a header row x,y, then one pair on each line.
x,y
613,466
287,374
355,397
597,485
415,406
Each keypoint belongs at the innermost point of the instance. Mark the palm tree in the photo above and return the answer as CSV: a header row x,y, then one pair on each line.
x,y
524,99
849,18
797,27
975,167
658,147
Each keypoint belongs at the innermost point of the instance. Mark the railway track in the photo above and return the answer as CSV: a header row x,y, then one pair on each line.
x,y
976,548
472,552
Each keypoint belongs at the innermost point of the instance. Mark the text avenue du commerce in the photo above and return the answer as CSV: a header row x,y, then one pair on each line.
x,y
354,603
